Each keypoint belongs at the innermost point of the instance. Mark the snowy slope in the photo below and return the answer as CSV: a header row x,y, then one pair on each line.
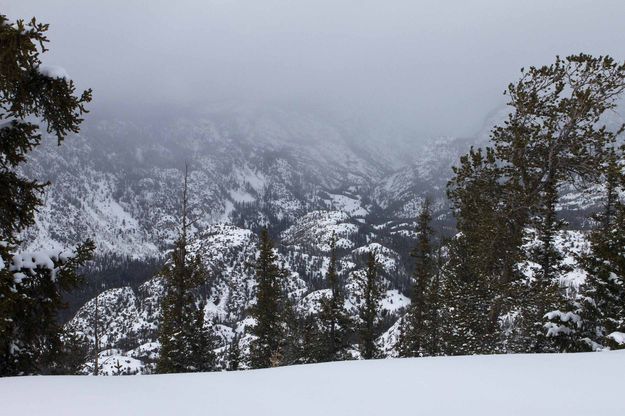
x,y
128,317
546,384
305,175
119,181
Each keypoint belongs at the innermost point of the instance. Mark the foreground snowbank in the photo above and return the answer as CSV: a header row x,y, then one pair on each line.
x,y
566,384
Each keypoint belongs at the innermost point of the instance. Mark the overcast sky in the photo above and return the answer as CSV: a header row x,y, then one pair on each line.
x,y
439,66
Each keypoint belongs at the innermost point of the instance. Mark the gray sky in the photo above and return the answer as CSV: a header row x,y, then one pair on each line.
x,y
434,65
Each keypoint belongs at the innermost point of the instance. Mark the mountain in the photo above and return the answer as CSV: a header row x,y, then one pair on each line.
x,y
119,182
129,317
305,174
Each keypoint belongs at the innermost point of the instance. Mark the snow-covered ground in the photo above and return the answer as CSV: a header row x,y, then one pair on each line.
x,y
546,384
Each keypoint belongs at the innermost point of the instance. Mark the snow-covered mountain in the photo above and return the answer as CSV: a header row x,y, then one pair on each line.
x,y
129,317
304,174
119,182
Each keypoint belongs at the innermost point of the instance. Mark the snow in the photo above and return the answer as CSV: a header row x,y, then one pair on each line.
x,y
311,303
572,244
387,342
114,362
557,385
618,337
564,316
316,229
553,329
25,263
149,350
53,71
255,179
6,124
386,258
394,301
352,206
238,195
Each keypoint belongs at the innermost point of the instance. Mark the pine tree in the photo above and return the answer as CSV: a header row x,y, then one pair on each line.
x,y
415,333
482,257
467,303
267,349
543,297
312,347
202,356
552,138
335,324
185,346
292,343
74,353
601,308
118,368
30,339
179,320
434,342
369,312
234,354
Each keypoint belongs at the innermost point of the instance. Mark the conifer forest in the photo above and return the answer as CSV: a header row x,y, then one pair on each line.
x,y
335,191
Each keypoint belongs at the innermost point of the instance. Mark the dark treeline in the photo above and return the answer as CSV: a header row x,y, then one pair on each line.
x,y
107,272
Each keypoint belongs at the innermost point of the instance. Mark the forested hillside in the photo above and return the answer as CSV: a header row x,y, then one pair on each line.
x,y
241,236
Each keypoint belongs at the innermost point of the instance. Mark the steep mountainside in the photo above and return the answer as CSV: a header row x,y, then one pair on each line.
x,y
128,318
119,182
305,175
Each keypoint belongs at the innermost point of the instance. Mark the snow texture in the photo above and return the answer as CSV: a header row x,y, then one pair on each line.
x,y
542,384
53,71
24,264
618,337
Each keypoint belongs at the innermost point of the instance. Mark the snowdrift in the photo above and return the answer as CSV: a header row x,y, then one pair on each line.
x,y
548,384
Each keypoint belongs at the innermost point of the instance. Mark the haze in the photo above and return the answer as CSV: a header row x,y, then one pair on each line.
x,y
438,67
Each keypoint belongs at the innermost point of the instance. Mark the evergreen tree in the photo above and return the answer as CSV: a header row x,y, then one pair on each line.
x,y
234,354
434,342
478,278
369,312
553,138
600,313
467,303
185,345
74,353
118,368
291,345
335,324
179,320
202,357
267,349
542,295
30,339
311,346
415,333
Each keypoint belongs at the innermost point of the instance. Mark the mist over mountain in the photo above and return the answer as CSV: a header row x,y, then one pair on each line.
x,y
269,184
435,67
248,165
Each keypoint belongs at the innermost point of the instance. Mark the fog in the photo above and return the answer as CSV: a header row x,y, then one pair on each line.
x,y
437,67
